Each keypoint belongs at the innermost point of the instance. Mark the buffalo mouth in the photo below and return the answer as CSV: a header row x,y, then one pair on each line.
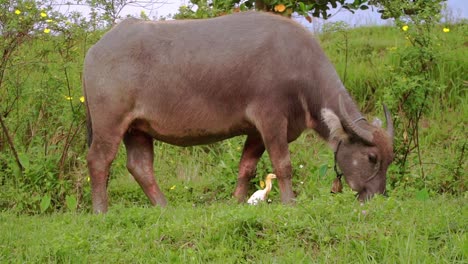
x,y
365,195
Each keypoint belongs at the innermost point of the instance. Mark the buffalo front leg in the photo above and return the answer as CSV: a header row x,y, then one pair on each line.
x,y
279,155
275,138
140,164
253,150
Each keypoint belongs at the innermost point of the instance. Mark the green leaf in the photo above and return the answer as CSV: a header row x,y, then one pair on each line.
x,y
422,195
24,159
222,165
302,7
323,170
71,202
364,7
45,203
243,7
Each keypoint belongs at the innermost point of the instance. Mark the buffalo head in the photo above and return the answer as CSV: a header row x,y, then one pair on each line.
x,y
363,151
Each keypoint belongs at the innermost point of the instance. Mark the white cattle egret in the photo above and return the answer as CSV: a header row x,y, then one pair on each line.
x,y
261,195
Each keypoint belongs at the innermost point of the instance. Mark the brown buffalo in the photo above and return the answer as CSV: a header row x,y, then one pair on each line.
x,y
200,81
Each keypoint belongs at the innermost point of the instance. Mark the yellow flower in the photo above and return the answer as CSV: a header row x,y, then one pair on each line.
x,y
49,20
446,30
69,98
405,28
47,30
173,187
280,8
17,12
88,179
82,99
43,14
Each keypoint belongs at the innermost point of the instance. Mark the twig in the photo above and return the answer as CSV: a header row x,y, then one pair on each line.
x,y
11,144
460,160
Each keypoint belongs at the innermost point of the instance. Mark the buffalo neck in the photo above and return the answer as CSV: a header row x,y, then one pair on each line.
x,y
268,185
329,98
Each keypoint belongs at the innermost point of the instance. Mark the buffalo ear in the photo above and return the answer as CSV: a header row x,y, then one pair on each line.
x,y
337,132
377,122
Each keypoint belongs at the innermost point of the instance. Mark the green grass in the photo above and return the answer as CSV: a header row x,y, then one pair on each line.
x,y
373,51
327,229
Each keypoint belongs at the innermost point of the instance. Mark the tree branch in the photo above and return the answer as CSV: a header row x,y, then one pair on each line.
x,y
11,144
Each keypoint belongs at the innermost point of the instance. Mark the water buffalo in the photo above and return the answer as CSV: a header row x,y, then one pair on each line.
x,y
200,81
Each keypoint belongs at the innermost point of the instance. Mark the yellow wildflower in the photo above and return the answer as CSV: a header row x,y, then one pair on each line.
x,y
43,14
405,28
69,98
446,30
88,179
82,99
47,30
17,11
49,20
173,187
280,8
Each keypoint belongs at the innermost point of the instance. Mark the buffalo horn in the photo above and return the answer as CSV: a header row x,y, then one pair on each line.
x,y
352,126
388,119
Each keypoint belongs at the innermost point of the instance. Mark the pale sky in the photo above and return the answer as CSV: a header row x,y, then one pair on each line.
x,y
458,9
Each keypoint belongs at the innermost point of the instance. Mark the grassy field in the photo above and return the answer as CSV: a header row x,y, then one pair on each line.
x,y
424,220
326,229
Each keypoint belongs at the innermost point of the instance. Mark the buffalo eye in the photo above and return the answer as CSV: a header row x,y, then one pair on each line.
x,y
372,158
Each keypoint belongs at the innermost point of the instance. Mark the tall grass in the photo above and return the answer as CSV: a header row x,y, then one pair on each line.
x,y
371,53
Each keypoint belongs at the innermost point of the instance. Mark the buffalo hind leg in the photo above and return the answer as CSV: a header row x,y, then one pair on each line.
x,y
140,164
100,156
253,150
